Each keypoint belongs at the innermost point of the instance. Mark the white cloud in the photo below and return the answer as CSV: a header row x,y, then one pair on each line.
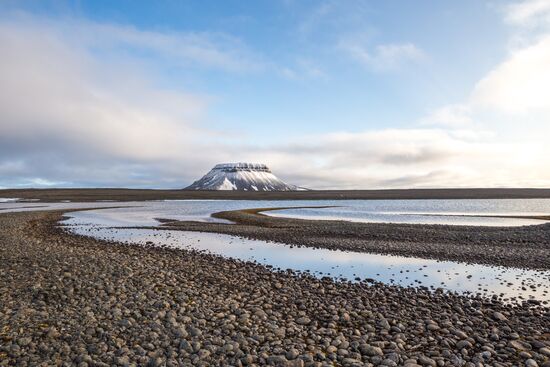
x,y
521,83
303,69
455,116
383,57
346,27
408,158
510,105
528,13
63,107
515,90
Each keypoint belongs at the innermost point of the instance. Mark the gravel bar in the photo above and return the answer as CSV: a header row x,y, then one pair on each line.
x,y
525,247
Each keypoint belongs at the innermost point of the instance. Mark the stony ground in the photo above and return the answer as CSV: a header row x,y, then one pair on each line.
x,y
526,247
67,300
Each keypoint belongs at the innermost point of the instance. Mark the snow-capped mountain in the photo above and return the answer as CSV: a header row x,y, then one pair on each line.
x,y
241,176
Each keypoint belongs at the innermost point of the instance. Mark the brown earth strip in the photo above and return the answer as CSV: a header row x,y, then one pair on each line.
x,y
24,207
80,195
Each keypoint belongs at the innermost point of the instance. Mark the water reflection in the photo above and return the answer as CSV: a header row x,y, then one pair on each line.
x,y
509,283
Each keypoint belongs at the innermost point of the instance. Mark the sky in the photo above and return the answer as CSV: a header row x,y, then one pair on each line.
x,y
355,94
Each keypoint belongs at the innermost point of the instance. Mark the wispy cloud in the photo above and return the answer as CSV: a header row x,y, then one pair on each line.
x,y
316,17
528,13
303,69
383,57
204,49
454,116
213,50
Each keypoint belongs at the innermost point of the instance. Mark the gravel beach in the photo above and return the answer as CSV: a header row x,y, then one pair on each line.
x,y
68,300
523,247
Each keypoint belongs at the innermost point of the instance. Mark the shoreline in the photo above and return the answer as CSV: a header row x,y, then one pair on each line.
x,y
69,298
521,247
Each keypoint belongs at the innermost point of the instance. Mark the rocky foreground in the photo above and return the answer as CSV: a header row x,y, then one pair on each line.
x,y
525,247
67,300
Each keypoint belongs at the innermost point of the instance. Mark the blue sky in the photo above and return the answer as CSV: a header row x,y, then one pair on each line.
x,y
364,94
303,37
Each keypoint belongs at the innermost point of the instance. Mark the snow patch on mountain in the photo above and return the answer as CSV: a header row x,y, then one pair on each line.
x,y
241,176
227,185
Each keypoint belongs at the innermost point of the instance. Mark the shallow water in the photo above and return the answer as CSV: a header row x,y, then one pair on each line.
x,y
509,283
8,200
25,206
390,211
454,212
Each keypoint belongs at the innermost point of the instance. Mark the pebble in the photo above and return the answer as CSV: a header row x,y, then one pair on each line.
x,y
370,350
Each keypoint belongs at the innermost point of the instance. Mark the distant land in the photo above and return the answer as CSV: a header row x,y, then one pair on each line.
x,y
123,194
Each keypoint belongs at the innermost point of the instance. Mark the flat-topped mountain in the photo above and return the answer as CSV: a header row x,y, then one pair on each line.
x,y
241,176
